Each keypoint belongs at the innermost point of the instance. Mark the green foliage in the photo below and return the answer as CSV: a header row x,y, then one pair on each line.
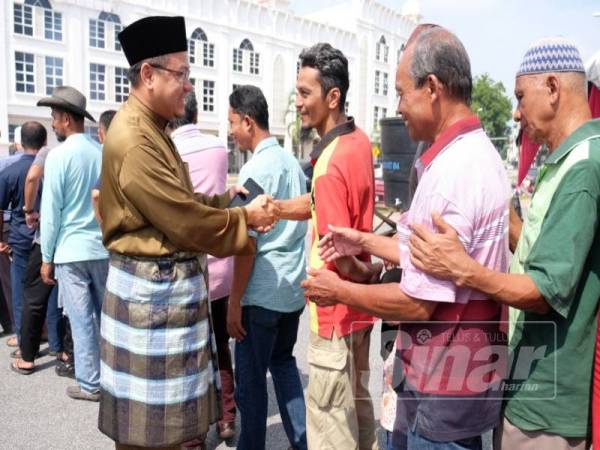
x,y
494,108
294,127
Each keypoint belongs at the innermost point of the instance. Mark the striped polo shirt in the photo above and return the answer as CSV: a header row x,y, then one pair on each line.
x,y
343,195
448,386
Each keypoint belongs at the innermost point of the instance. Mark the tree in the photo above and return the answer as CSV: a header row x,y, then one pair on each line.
x,y
490,103
298,134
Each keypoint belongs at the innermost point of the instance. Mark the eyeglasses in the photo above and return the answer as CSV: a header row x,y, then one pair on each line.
x,y
180,75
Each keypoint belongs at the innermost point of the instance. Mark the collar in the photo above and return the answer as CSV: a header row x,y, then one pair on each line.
x,y
190,127
337,131
74,136
266,143
137,105
450,134
589,130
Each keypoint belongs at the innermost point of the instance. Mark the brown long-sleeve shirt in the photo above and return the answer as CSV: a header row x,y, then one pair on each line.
x,y
147,201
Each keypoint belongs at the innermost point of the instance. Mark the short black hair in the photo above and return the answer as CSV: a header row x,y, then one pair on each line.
x,y
249,101
106,118
190,112
332,66
33,135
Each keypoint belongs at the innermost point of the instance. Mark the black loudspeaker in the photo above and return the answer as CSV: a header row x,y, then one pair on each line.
x,y
397,154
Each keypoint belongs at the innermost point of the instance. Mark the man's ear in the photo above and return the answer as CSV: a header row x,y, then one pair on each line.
x,y
147,75
434,87
553,88
333,98
248,123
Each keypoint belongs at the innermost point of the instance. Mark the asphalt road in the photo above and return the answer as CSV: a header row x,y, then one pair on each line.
x,y
37,414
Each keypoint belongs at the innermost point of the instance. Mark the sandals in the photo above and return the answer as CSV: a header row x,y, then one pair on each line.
x,y
14,366
17,354
12,342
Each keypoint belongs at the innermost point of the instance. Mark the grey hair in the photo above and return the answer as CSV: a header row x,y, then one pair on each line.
x,y
133,74
190,112
439,52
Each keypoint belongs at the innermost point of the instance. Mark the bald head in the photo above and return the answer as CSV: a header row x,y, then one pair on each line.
x,y
437,51
417,32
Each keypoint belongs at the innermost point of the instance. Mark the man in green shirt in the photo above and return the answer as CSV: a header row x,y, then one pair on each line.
x,y
553,286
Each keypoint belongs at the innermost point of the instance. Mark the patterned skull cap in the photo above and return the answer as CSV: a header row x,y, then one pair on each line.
x,y
552,54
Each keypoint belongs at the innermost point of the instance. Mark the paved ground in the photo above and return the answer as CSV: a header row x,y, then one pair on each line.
x,y
36,413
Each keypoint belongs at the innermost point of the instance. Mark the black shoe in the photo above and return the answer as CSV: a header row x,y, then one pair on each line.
x,y
65,369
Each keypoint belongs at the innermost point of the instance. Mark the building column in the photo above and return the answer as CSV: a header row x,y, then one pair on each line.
x,y
5,87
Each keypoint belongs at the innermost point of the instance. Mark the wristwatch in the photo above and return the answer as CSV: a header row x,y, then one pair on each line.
x,y
27,211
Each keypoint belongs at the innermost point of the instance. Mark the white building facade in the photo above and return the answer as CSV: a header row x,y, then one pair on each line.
x,y
47,43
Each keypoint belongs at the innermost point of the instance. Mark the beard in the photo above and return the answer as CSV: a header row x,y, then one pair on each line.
x,y
60,137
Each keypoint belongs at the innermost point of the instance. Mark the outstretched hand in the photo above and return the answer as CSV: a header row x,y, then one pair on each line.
x,y
339,242
263,213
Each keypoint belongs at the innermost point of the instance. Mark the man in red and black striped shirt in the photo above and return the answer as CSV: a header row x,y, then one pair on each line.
x,y
339,407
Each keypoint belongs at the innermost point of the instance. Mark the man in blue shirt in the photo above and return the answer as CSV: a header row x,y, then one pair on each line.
x,y
20,236
266,301
70,237
5,295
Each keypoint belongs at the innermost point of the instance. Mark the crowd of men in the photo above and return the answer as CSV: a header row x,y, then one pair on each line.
x,y
135,242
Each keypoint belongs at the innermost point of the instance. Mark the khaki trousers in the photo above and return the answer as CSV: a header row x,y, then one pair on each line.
x,y
513,438
339,409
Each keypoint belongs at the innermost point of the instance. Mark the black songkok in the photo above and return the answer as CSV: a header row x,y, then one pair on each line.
x,y
153,36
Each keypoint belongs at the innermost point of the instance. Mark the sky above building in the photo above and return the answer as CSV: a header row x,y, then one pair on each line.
x,y
496,33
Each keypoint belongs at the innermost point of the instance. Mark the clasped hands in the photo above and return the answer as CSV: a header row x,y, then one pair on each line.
x,y
262,212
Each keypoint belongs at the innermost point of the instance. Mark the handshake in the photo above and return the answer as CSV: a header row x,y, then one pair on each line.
x,y
262,212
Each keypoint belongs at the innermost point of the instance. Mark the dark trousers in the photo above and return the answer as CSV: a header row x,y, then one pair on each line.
x,y
18,271
5,290
219,320
268,345
36,297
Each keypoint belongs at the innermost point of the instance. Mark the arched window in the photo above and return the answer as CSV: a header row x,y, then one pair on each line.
x,y
104,31
23,19
109,17
400,50
199,35
246,45
245,56
381,50
198,42
41,3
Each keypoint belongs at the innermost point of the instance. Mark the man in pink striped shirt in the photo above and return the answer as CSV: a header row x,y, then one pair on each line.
x,y
450,352
206,158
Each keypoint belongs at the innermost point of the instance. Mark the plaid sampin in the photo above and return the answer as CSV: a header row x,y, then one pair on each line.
x,y
158,369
